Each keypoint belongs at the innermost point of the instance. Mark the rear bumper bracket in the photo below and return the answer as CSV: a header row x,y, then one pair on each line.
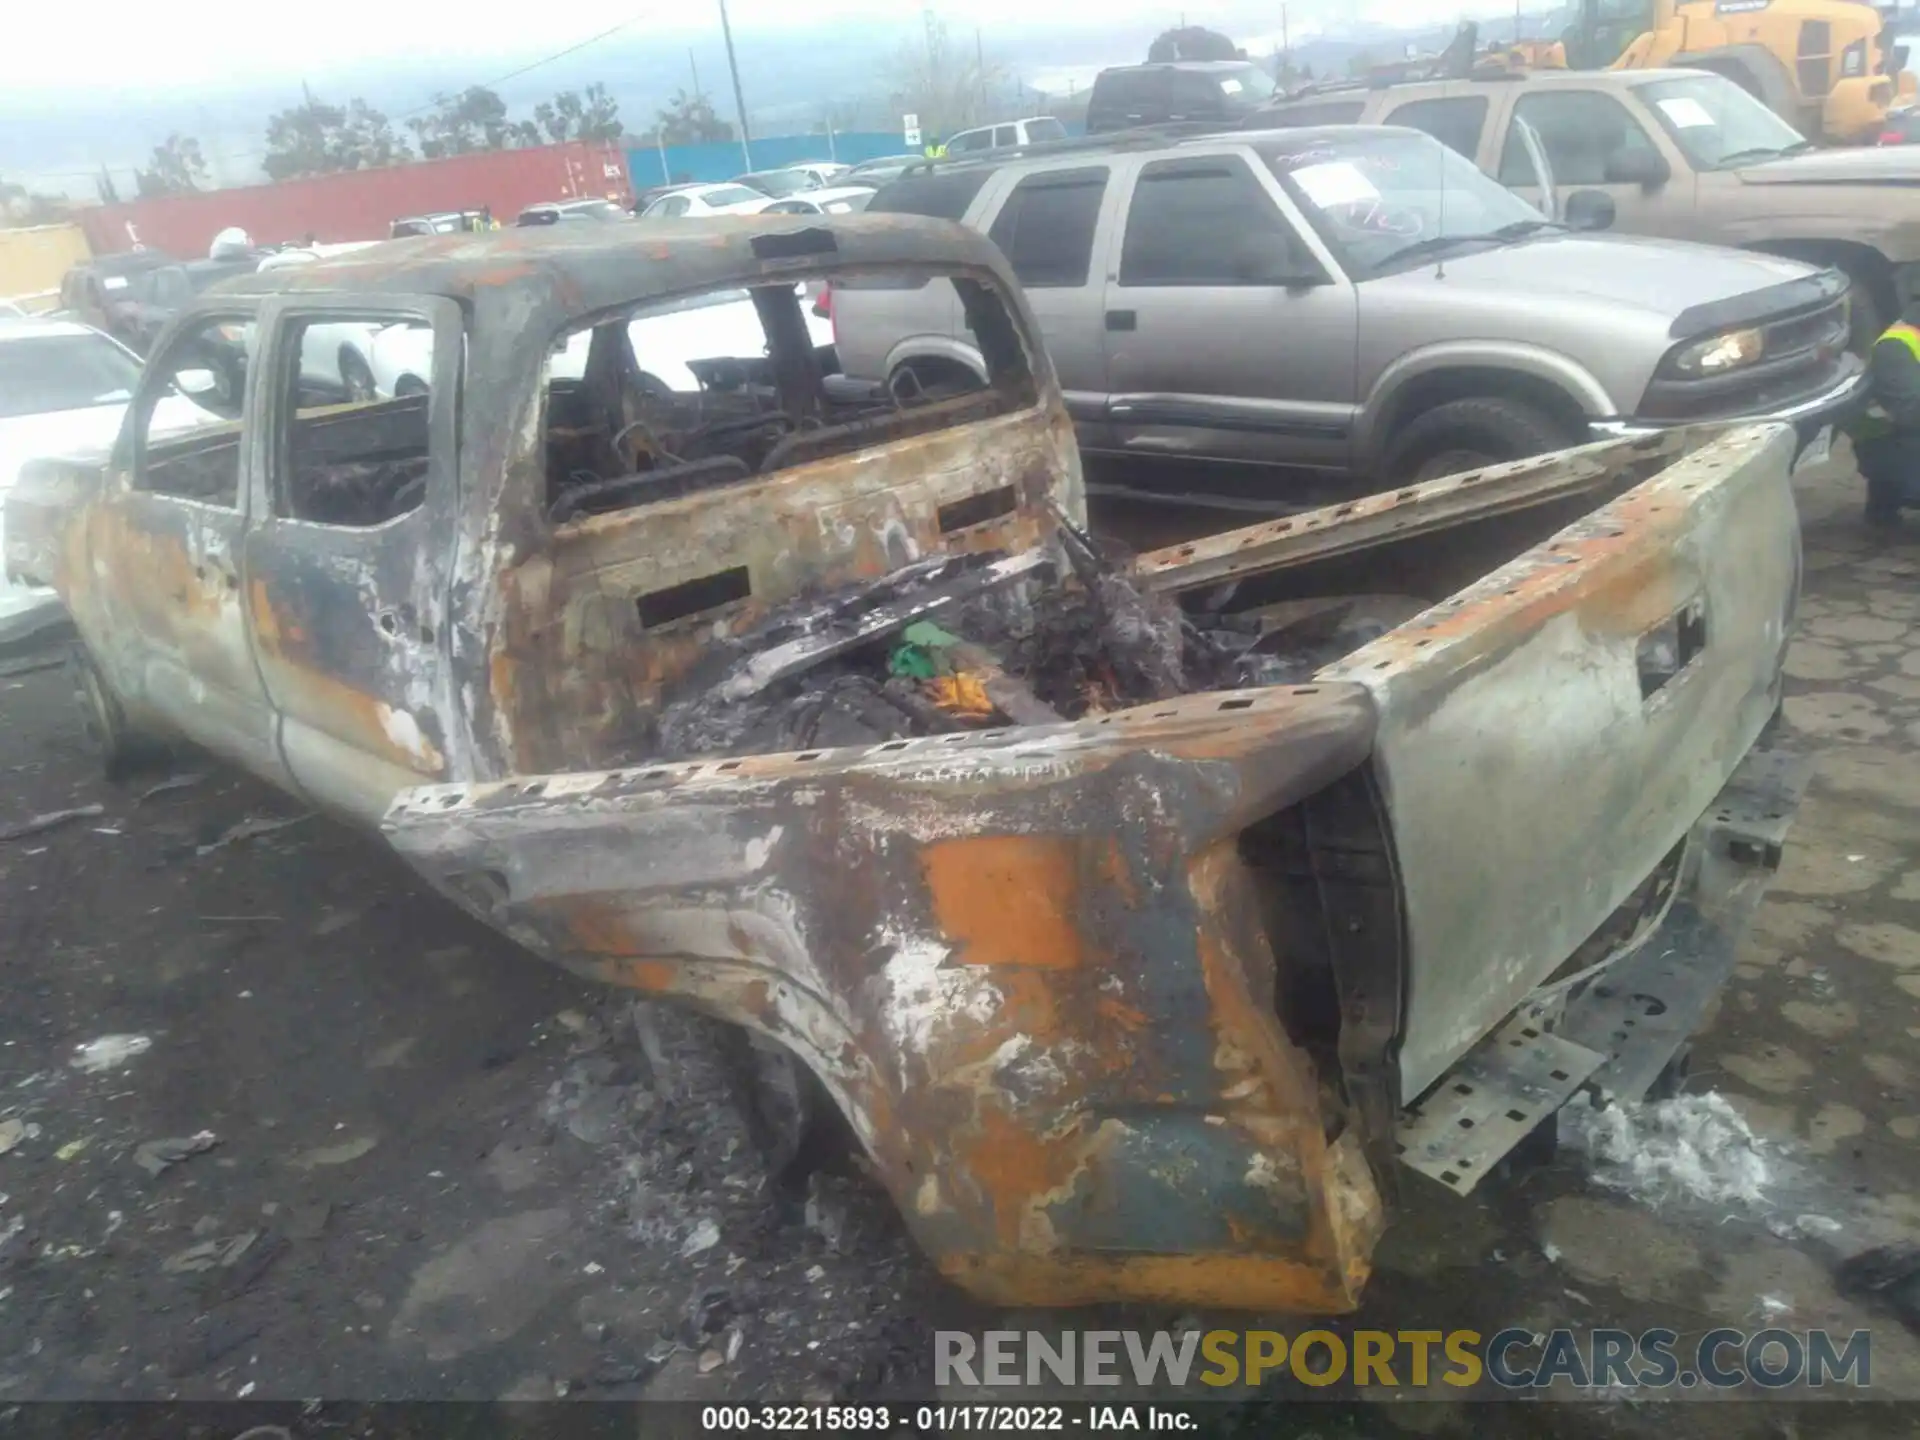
x,y
1619,1028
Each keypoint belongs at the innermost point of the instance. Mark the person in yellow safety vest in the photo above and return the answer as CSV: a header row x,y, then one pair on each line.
x,y
1886,439
935,150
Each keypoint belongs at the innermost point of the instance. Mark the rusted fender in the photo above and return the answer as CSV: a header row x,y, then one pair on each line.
x,y
1030,965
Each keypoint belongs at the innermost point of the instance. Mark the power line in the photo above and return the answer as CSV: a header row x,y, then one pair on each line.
x,y
544,60
262,152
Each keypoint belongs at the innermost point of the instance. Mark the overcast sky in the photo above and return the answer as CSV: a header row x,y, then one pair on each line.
x,y
147,46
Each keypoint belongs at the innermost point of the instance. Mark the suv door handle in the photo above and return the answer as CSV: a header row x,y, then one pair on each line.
x,y
1122,320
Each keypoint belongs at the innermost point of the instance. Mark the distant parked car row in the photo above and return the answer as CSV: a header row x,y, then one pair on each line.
x,y
812,188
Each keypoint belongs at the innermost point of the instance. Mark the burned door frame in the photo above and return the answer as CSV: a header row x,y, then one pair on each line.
x,y
175,641
350,623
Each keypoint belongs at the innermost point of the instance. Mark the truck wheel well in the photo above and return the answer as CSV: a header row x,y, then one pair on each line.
x,y
1439,387
929,375
1866,267
932,370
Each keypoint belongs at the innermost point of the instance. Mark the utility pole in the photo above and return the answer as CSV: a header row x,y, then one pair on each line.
x,y
932,120
694,66
739,99
979,75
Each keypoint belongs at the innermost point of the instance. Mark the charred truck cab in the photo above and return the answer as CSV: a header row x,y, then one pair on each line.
x,y
1143,915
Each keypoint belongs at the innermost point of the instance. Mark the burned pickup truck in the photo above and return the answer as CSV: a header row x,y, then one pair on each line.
x,y
1147,918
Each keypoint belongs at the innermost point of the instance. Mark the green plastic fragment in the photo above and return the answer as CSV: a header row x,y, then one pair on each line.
x,y
917,655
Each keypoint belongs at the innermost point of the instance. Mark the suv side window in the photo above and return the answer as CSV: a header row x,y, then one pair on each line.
x,y
207,366
1455,121
1127,97
970,140
1046,226
1325,112
1581,129
1005,135
943,196
1193,96
1194,222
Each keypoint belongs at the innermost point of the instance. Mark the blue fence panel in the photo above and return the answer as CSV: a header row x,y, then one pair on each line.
x,y
649,165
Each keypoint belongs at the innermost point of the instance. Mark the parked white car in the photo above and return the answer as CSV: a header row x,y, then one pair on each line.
x,y
63,388
709,327
719,326
1008,133
725,198
824,172
843,200
341,353
567,212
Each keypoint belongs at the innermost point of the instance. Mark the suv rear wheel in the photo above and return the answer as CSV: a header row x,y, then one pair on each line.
x,y
1467,434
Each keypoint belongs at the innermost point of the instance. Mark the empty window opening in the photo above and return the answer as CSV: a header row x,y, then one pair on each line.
x,y
723,387
354,448
694,597
189,427
978,509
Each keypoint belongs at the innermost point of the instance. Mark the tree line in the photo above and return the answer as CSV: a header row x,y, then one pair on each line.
x,y
948,86
319,138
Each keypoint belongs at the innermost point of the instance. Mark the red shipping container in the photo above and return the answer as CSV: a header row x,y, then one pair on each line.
x,y
361,204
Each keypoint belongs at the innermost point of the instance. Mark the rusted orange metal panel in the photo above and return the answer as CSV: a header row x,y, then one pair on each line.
x,y
1032,969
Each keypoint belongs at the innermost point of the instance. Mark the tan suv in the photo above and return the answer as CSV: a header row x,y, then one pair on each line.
x,y
1683,154
1357,301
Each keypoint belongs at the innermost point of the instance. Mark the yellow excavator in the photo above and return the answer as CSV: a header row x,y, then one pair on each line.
x,y
1830,68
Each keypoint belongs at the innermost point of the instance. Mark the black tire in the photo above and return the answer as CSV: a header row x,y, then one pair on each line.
x,y
931,378
791,1120
1466,434
118,747
1671,1082
1883,504
1866,317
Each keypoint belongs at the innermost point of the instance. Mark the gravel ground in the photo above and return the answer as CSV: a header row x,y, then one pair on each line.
x,y
438,1169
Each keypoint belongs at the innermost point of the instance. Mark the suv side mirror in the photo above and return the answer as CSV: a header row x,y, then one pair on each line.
x,y
1645,168
1589,210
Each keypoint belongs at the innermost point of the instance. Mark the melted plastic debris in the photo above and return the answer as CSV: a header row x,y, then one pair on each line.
x,y
1695,1146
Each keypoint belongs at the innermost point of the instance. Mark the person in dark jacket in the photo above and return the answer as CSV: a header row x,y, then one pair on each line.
x,y
1886,441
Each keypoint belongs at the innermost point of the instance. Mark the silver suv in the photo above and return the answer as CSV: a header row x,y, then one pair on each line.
x,y
1349,299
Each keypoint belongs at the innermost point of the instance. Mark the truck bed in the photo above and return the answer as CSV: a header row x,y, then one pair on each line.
x,y
1132,1003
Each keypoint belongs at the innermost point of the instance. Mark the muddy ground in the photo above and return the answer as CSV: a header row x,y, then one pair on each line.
x,y
439,1169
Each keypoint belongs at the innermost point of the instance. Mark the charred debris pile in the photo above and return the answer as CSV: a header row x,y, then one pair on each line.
x,y
976,641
